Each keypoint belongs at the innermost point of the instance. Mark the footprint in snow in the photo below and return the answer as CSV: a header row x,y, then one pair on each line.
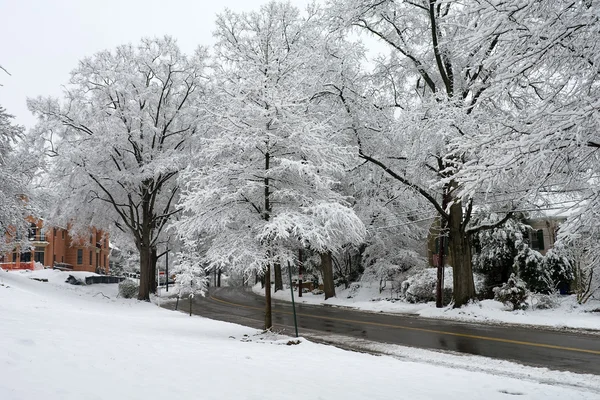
x,y
26,342
511,393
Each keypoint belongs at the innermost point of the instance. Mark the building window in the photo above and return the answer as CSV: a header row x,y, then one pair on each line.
x,y
32,232
63,234
26,256
537,239
39,255
90,258
79,256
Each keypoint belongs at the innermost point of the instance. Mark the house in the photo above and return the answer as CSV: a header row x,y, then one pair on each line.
x,y
541,236
54,247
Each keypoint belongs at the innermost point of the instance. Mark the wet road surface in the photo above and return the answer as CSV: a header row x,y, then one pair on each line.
x,y
570,351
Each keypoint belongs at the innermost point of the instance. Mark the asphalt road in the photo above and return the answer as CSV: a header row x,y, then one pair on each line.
x,y
570,351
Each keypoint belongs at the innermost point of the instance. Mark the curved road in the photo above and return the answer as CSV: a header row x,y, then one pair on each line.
x,y
571,351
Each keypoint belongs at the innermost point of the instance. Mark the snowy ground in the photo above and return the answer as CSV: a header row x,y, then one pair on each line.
x,y
569,314
60,342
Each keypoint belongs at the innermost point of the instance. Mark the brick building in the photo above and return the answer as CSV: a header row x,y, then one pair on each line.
x,y
54,247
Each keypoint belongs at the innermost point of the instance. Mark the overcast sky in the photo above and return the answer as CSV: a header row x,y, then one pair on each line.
x,y
42,40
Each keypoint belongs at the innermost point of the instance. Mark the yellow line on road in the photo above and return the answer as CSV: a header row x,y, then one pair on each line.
x,y
411,328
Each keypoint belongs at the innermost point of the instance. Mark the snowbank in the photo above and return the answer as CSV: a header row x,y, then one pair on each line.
x,y
63,342
365,296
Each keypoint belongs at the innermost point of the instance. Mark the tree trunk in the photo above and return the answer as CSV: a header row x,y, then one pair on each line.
x,y
268,315
219,279
278,278
143,245
327,265
460,250
144,292
442,241
153,283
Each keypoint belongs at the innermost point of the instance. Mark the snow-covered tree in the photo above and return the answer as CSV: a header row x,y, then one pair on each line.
x,y
431,90
266,185
547,102
190,276
16,171
582,263
120,137
396,225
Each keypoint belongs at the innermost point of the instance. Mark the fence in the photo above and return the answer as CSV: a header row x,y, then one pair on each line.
x,y
90,280
18,265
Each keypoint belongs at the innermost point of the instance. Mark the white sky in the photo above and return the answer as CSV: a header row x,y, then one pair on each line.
x,y
42,40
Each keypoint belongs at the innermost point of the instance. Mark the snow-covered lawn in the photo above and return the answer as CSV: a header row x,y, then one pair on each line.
x,y
60,342
568,314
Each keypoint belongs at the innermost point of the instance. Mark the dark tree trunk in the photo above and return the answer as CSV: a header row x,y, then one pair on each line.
x,y
442,241
327,265
460,250
144,292
143,243
268,314
278,278
219,279
153,283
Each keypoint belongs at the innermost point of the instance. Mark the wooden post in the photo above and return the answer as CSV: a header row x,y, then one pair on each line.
x,y
268,313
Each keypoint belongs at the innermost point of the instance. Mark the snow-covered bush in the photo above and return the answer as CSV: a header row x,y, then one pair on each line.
x,y
495,251
128,289
512,293
544,301
353,290
530,267
420,287
385,270
560,268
